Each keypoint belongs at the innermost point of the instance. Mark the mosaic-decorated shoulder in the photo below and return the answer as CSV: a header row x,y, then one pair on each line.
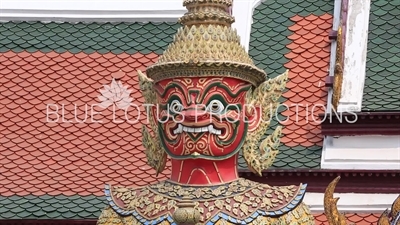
x,y
240,202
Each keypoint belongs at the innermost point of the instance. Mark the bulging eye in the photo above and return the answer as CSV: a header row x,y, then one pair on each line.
x,y
216,106
176,106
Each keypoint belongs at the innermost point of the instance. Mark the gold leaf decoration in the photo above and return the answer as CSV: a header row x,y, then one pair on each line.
x,y
156,156
330,205
260,157
157,200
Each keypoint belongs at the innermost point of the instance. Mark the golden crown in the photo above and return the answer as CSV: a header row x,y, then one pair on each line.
x,y
206,45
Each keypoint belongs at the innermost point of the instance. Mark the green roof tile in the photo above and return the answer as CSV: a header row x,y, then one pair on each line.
x,y
51,207
268,41
86,37
24,214
381,88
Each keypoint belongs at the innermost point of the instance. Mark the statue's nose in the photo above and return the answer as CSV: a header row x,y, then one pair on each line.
x,y
194,114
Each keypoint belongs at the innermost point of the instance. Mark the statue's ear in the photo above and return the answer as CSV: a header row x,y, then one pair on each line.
x,y
145,83
150,97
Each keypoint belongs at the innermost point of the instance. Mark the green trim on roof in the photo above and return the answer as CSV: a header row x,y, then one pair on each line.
x,y
86,37
268,40
382,83
298,157
51,207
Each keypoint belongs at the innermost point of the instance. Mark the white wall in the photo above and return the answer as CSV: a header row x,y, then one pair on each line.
x,y
369,152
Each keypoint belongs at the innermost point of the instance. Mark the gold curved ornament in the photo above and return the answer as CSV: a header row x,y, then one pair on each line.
x,y
384,218
156,156
338,73
391,217
330,205
261,156
396,206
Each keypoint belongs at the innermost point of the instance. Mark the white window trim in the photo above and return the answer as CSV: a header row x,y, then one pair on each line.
x,y
369,152
352,202
355,56
117,11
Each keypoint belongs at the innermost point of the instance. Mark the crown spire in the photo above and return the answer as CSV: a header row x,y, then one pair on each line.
x,y
207,12
206,46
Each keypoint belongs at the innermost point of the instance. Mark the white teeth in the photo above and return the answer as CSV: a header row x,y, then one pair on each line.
x,y
209,128
179,129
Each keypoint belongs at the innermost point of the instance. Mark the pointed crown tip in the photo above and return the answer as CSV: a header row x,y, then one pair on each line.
x,y
207,12
194,2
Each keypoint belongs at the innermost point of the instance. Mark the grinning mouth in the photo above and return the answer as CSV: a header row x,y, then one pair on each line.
x,y
210,128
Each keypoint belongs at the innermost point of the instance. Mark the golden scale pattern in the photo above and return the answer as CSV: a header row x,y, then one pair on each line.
x,y
213,46
205,43
206,46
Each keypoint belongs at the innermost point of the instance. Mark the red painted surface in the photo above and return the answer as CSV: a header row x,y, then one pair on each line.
x,y
206,156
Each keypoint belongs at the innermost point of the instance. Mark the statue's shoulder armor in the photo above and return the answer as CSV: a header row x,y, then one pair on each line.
x,y
239,202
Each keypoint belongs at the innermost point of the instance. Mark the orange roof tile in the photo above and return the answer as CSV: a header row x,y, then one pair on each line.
x,y
306,97
53,158
359,219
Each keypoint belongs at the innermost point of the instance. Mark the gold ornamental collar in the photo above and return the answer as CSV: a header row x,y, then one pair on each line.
x,y
206,45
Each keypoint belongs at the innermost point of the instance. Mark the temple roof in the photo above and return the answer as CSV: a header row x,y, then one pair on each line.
x,y
58,170
294,35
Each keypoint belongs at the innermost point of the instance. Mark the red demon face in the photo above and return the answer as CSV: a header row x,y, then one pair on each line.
x,y
202,117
